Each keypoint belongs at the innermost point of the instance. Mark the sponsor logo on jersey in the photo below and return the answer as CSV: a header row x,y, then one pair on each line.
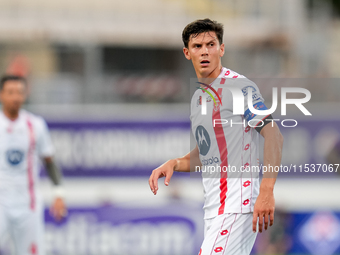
x,y
15,157
203,140
199,101
210,161
217,106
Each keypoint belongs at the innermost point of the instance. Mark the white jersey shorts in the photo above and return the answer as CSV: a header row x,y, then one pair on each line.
x,y
24,227
228,234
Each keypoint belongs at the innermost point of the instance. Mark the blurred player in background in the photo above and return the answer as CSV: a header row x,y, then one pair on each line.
x,y
24,140
234,207
333,156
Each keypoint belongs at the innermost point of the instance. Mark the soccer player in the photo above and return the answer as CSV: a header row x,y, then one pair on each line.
x,y
24,140
234,208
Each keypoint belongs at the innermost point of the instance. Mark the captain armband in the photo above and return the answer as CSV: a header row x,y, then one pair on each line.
x,y
262,123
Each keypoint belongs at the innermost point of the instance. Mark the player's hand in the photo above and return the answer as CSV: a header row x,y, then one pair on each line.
x,y
166,170
264,210
58,209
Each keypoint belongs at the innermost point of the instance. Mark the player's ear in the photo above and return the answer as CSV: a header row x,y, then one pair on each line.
x,y
222,50
186,53
2,93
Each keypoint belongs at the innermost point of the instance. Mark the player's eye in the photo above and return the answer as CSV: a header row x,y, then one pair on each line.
x,y
211,44
197,46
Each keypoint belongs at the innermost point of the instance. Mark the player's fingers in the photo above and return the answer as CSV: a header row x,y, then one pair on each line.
x,y
54,213
58,217
155,183
167,178
255,216
151,182
62,213
266,219
271,218
260,222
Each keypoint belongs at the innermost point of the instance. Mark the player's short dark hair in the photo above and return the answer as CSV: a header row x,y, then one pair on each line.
x,y
9,77
200,26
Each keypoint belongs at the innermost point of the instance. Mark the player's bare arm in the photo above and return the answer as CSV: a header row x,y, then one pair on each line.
x,y
58,209
186,163
265,203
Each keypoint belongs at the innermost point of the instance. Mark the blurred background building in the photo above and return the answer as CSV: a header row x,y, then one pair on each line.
x,y
111,80
121,51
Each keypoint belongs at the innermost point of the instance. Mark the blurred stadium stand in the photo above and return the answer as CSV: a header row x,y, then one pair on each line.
x,y
106,49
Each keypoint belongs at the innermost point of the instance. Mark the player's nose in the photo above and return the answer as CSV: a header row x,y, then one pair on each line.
x,y
205,51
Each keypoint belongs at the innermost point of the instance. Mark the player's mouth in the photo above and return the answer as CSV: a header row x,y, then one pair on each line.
x,y
205,63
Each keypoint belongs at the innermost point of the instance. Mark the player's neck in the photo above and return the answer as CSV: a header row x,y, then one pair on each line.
x,y
213,75
12,115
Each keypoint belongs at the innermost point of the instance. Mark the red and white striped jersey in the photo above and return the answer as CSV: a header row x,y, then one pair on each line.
x,y
23,142
227,146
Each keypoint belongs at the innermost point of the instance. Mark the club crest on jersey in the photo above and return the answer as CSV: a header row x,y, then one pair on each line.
x,y
203,140
15,157
199,100
218,104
